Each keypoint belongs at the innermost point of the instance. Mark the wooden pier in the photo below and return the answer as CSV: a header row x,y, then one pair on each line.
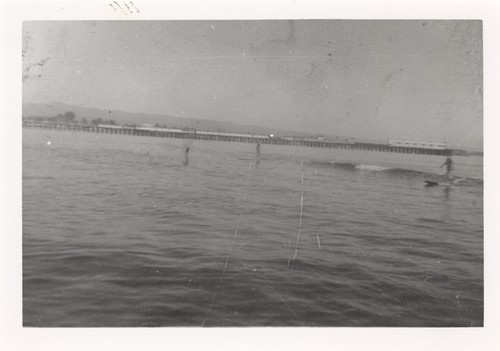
x,y
240,138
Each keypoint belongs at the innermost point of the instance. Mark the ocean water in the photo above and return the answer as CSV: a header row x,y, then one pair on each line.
x,y
117,232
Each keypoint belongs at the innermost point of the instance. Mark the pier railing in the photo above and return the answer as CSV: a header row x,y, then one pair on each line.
x,y
227,137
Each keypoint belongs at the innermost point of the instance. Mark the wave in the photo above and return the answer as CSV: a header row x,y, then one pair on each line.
x,y
409,172
363,167
345,165
371,168
396,171
467,181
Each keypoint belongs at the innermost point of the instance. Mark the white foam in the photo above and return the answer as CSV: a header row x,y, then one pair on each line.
x,y
371,168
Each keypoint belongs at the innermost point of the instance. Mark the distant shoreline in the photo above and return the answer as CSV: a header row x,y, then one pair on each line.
x,y
313,141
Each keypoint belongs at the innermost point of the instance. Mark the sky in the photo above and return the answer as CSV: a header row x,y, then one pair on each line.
x,y
411,79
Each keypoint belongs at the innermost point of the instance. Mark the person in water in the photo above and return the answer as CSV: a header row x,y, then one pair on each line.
x,y
186,161
449,165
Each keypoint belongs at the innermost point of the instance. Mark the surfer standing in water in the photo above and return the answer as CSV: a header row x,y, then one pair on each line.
x,y
449,165
186,161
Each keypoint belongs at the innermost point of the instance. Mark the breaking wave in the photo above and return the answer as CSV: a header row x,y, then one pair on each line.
x,y
396,171
371,168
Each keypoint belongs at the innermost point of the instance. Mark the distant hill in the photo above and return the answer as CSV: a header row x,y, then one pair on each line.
x,y
130,118
121,117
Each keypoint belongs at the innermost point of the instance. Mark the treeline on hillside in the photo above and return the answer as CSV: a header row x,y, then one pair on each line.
x,y
69,117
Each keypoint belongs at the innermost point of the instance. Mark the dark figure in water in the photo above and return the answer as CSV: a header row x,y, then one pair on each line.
x,y
449,165
257,158
186,161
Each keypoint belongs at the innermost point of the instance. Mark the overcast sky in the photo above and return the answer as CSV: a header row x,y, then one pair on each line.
x,y
417,80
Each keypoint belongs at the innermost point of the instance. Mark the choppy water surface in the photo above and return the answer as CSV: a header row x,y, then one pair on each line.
x,y
118,232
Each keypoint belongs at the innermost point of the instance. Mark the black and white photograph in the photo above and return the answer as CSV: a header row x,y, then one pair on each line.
x,y
245,173
252,173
